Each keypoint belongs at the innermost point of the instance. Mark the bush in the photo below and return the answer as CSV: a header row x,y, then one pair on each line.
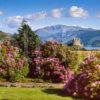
x,y
65,54
69,58
87,82
53,59
49,48
13,65
49,69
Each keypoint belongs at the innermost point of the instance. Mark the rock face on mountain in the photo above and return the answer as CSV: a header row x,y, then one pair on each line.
x,y
64,34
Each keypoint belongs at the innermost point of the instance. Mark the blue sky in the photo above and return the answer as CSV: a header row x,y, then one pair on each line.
x,y
41,13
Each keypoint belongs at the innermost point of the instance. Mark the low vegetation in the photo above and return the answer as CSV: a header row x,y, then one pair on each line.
x,y
31,94
25,56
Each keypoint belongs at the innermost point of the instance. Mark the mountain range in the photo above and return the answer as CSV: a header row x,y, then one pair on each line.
x,y
64,34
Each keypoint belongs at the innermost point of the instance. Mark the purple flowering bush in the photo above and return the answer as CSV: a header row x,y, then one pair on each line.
x,y
87,82
46,64
49,48
65,54
49,69
51,60
13,65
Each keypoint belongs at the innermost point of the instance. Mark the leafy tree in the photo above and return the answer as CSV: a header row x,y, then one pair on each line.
x,y
26,39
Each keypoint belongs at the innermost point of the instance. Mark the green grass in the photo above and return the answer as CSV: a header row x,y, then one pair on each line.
x,y
31,94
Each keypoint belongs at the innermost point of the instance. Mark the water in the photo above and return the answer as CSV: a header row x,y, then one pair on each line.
x,y
92,48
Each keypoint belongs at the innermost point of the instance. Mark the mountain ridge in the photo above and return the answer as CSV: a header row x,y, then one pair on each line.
x,y
64,34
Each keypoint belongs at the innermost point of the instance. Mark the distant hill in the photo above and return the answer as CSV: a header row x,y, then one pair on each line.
x,y
64,34
3,35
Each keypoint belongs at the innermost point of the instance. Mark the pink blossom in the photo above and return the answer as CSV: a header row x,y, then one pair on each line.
x,y
1,70
62,76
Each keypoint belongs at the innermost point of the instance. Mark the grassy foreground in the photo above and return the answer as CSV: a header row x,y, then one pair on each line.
x,y
30,94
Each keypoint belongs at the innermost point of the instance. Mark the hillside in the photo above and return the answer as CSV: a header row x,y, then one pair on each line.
x,y
64,34
3,35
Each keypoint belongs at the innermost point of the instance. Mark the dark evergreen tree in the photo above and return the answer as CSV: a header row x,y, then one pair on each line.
x,y
26,39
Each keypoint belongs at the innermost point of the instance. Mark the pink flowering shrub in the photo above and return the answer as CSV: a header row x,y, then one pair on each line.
x,y
46,64
67,57
87,82
13,65
49,69
51,60
49,48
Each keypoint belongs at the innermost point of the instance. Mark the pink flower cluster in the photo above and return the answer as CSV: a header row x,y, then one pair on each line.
x,y
87,82
89,59
11,58
51,69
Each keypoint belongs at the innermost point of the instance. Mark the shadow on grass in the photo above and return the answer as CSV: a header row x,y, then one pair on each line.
x,y
52,91
59,92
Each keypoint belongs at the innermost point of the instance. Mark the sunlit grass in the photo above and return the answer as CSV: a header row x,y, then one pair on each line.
x,y
30,94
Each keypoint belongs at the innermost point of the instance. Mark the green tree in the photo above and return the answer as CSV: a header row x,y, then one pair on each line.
x,y
26,39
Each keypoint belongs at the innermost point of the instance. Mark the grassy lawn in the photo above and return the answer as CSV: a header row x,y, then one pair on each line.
x,y
30,94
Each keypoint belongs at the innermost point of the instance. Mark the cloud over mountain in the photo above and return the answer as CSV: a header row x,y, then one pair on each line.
x,y
76,11
14,21
36,16
57,13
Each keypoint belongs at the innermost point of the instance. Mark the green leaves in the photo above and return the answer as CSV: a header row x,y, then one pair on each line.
x,y
26,39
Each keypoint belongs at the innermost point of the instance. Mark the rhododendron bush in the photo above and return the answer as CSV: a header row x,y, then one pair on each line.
x,y
87,82
13,65
49,48
51,60
46,64
66,56
49,69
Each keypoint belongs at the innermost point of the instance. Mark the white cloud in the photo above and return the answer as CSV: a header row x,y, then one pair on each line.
x,y
1,13
57,13
14,21
36,16
75,11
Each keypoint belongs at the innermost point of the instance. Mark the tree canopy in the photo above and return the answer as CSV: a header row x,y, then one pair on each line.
x,y
26,39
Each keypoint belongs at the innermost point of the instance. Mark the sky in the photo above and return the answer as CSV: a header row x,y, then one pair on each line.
x,y
42,13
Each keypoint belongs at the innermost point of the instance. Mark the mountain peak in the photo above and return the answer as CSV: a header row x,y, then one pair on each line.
x,y
64,34
59,26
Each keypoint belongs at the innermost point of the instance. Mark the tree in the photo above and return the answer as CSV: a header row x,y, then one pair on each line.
x,y
26,39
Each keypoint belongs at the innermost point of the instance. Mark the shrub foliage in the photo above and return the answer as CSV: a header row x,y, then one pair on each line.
x,y
13,66
87,82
